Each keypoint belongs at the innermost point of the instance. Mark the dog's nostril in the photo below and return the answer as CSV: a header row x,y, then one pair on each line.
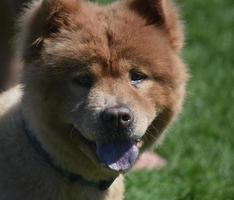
x,y
125,117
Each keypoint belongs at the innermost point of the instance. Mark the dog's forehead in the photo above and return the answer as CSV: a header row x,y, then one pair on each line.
x,y
111,36
126,34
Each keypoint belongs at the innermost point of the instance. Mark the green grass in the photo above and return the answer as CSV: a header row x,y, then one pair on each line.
x,y
200,146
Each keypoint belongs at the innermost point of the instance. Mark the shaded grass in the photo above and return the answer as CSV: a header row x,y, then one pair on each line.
x,y
200,146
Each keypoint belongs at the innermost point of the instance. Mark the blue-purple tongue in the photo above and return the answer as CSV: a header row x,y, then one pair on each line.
x,y
119,155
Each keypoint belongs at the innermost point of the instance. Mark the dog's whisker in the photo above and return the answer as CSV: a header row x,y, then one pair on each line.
x,y
148,133
76,107
71,132
155,129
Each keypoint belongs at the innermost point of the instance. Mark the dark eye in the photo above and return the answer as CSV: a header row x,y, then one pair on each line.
x,y
84,80
137,77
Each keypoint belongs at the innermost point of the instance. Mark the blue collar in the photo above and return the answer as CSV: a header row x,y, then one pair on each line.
x,y
102,185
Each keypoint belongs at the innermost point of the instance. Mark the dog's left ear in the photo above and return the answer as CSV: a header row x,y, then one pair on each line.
x,y
55,14
163,14
42,20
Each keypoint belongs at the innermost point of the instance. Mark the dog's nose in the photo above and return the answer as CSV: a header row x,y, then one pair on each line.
x,y
120,117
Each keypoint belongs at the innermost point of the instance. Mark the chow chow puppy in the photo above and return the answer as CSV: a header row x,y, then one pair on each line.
x,y
99,86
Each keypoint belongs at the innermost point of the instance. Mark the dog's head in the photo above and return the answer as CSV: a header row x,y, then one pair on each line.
x,y
110,74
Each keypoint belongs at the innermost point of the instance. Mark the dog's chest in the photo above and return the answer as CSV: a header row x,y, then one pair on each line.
x,y
34,181
47,188
75,191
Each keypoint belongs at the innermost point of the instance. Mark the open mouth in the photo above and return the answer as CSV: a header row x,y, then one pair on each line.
x,y
118,155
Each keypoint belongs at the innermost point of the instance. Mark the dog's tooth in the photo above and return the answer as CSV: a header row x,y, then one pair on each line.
x,y
139,144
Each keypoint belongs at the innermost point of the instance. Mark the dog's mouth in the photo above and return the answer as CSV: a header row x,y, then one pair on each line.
x,y
118,155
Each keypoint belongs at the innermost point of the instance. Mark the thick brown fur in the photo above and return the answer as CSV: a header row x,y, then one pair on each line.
x,y
62,40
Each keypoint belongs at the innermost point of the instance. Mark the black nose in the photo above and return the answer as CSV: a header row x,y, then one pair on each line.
x,y
120,117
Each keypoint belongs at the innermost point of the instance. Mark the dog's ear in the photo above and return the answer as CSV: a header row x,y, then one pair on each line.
x,y
163,14
42,20
55,14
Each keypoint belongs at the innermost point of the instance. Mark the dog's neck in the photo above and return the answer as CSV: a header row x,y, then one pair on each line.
x,y
101,185
88,174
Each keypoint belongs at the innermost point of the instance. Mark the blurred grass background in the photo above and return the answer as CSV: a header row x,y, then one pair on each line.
x,y
200,146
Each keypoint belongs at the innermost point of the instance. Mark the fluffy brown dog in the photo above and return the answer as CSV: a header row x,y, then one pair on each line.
x,y
100,85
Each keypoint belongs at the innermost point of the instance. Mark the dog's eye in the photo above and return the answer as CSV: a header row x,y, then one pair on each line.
x,y
84,80
137,77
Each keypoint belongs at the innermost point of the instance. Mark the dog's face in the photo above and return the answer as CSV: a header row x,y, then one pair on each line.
x,y
110,73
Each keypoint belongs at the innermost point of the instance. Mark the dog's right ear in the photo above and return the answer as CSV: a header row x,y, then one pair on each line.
x,y
43,19
162,14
